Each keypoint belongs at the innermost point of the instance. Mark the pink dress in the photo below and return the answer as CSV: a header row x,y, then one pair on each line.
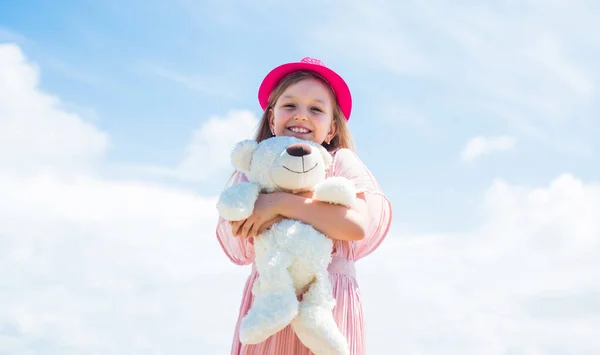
x,y
348,309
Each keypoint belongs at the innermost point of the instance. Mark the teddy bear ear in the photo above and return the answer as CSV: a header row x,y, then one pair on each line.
x,y
327,157
241,155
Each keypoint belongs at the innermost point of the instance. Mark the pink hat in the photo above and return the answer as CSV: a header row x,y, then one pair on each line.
x,y
339,86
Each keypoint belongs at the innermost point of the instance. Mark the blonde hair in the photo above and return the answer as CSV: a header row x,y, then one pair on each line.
x,y
343,137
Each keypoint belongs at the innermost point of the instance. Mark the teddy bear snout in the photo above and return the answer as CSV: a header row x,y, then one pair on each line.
x,y
298,150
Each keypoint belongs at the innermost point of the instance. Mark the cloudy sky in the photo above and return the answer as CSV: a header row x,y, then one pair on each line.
x,y
480,122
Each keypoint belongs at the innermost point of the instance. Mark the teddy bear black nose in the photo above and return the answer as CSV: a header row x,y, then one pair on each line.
x,y
298,150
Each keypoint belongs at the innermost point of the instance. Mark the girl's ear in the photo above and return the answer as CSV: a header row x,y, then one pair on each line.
x,y
242,153
271,118
332,131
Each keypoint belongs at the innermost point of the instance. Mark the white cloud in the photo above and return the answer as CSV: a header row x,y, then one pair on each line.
x,y
113,267
478,146
35,131
528,65
407,115
8,35
525,282
92,266
193,83
369,34
217,84
208,154
99,266
211,145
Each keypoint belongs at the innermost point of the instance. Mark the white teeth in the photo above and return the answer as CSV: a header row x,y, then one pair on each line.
x,y
299,130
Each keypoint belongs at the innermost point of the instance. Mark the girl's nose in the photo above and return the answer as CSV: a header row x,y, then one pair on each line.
x,y
300,117
301,114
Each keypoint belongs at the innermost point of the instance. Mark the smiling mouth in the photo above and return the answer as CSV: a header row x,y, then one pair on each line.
x,y
299,130
300,172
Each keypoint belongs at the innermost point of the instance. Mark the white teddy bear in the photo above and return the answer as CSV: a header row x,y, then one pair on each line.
x,y
291,257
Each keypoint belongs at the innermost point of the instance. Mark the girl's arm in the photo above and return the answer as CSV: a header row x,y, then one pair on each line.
x,y
335,221
367,223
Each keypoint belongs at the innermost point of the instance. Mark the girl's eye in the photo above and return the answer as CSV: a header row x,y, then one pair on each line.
x,y
289,105
317,109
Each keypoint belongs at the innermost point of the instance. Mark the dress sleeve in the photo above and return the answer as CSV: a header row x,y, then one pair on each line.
x,y
379,210
239,250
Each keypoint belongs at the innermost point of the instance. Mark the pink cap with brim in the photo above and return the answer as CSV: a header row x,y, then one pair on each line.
x,y
339,86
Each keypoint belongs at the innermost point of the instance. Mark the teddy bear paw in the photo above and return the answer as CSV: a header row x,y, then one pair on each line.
x,y
268,315
237,202
337,190
317,330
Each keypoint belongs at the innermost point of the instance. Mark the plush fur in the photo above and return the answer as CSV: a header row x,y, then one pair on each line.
x,y
291,257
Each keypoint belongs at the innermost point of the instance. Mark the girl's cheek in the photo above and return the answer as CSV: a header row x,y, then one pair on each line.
x,y
323,120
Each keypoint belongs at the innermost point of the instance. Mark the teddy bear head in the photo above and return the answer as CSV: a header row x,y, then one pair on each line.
x,y
282,163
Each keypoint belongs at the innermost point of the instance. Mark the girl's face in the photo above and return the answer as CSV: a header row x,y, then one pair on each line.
x,y
305,111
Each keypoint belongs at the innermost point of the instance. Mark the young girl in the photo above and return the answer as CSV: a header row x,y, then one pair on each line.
x,y
310,101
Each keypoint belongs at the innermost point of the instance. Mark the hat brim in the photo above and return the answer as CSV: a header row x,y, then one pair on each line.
x,y
337,83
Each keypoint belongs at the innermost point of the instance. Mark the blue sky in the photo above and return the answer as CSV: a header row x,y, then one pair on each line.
x,y
479,121
425,78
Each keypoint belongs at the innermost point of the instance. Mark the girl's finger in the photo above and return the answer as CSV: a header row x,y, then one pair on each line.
x,y
254,231
246,228
235,227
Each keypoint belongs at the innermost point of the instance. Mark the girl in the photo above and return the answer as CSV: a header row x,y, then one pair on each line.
x,y
310,101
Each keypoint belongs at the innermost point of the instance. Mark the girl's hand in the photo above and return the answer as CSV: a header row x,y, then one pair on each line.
x,y
308,194
269,223
266,211
236,225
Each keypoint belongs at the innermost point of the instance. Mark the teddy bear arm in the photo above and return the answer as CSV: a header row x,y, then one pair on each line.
x,y
237,201
337,190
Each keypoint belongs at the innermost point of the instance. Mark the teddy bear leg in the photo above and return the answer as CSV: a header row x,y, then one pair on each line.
x,y
315,326
275,302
